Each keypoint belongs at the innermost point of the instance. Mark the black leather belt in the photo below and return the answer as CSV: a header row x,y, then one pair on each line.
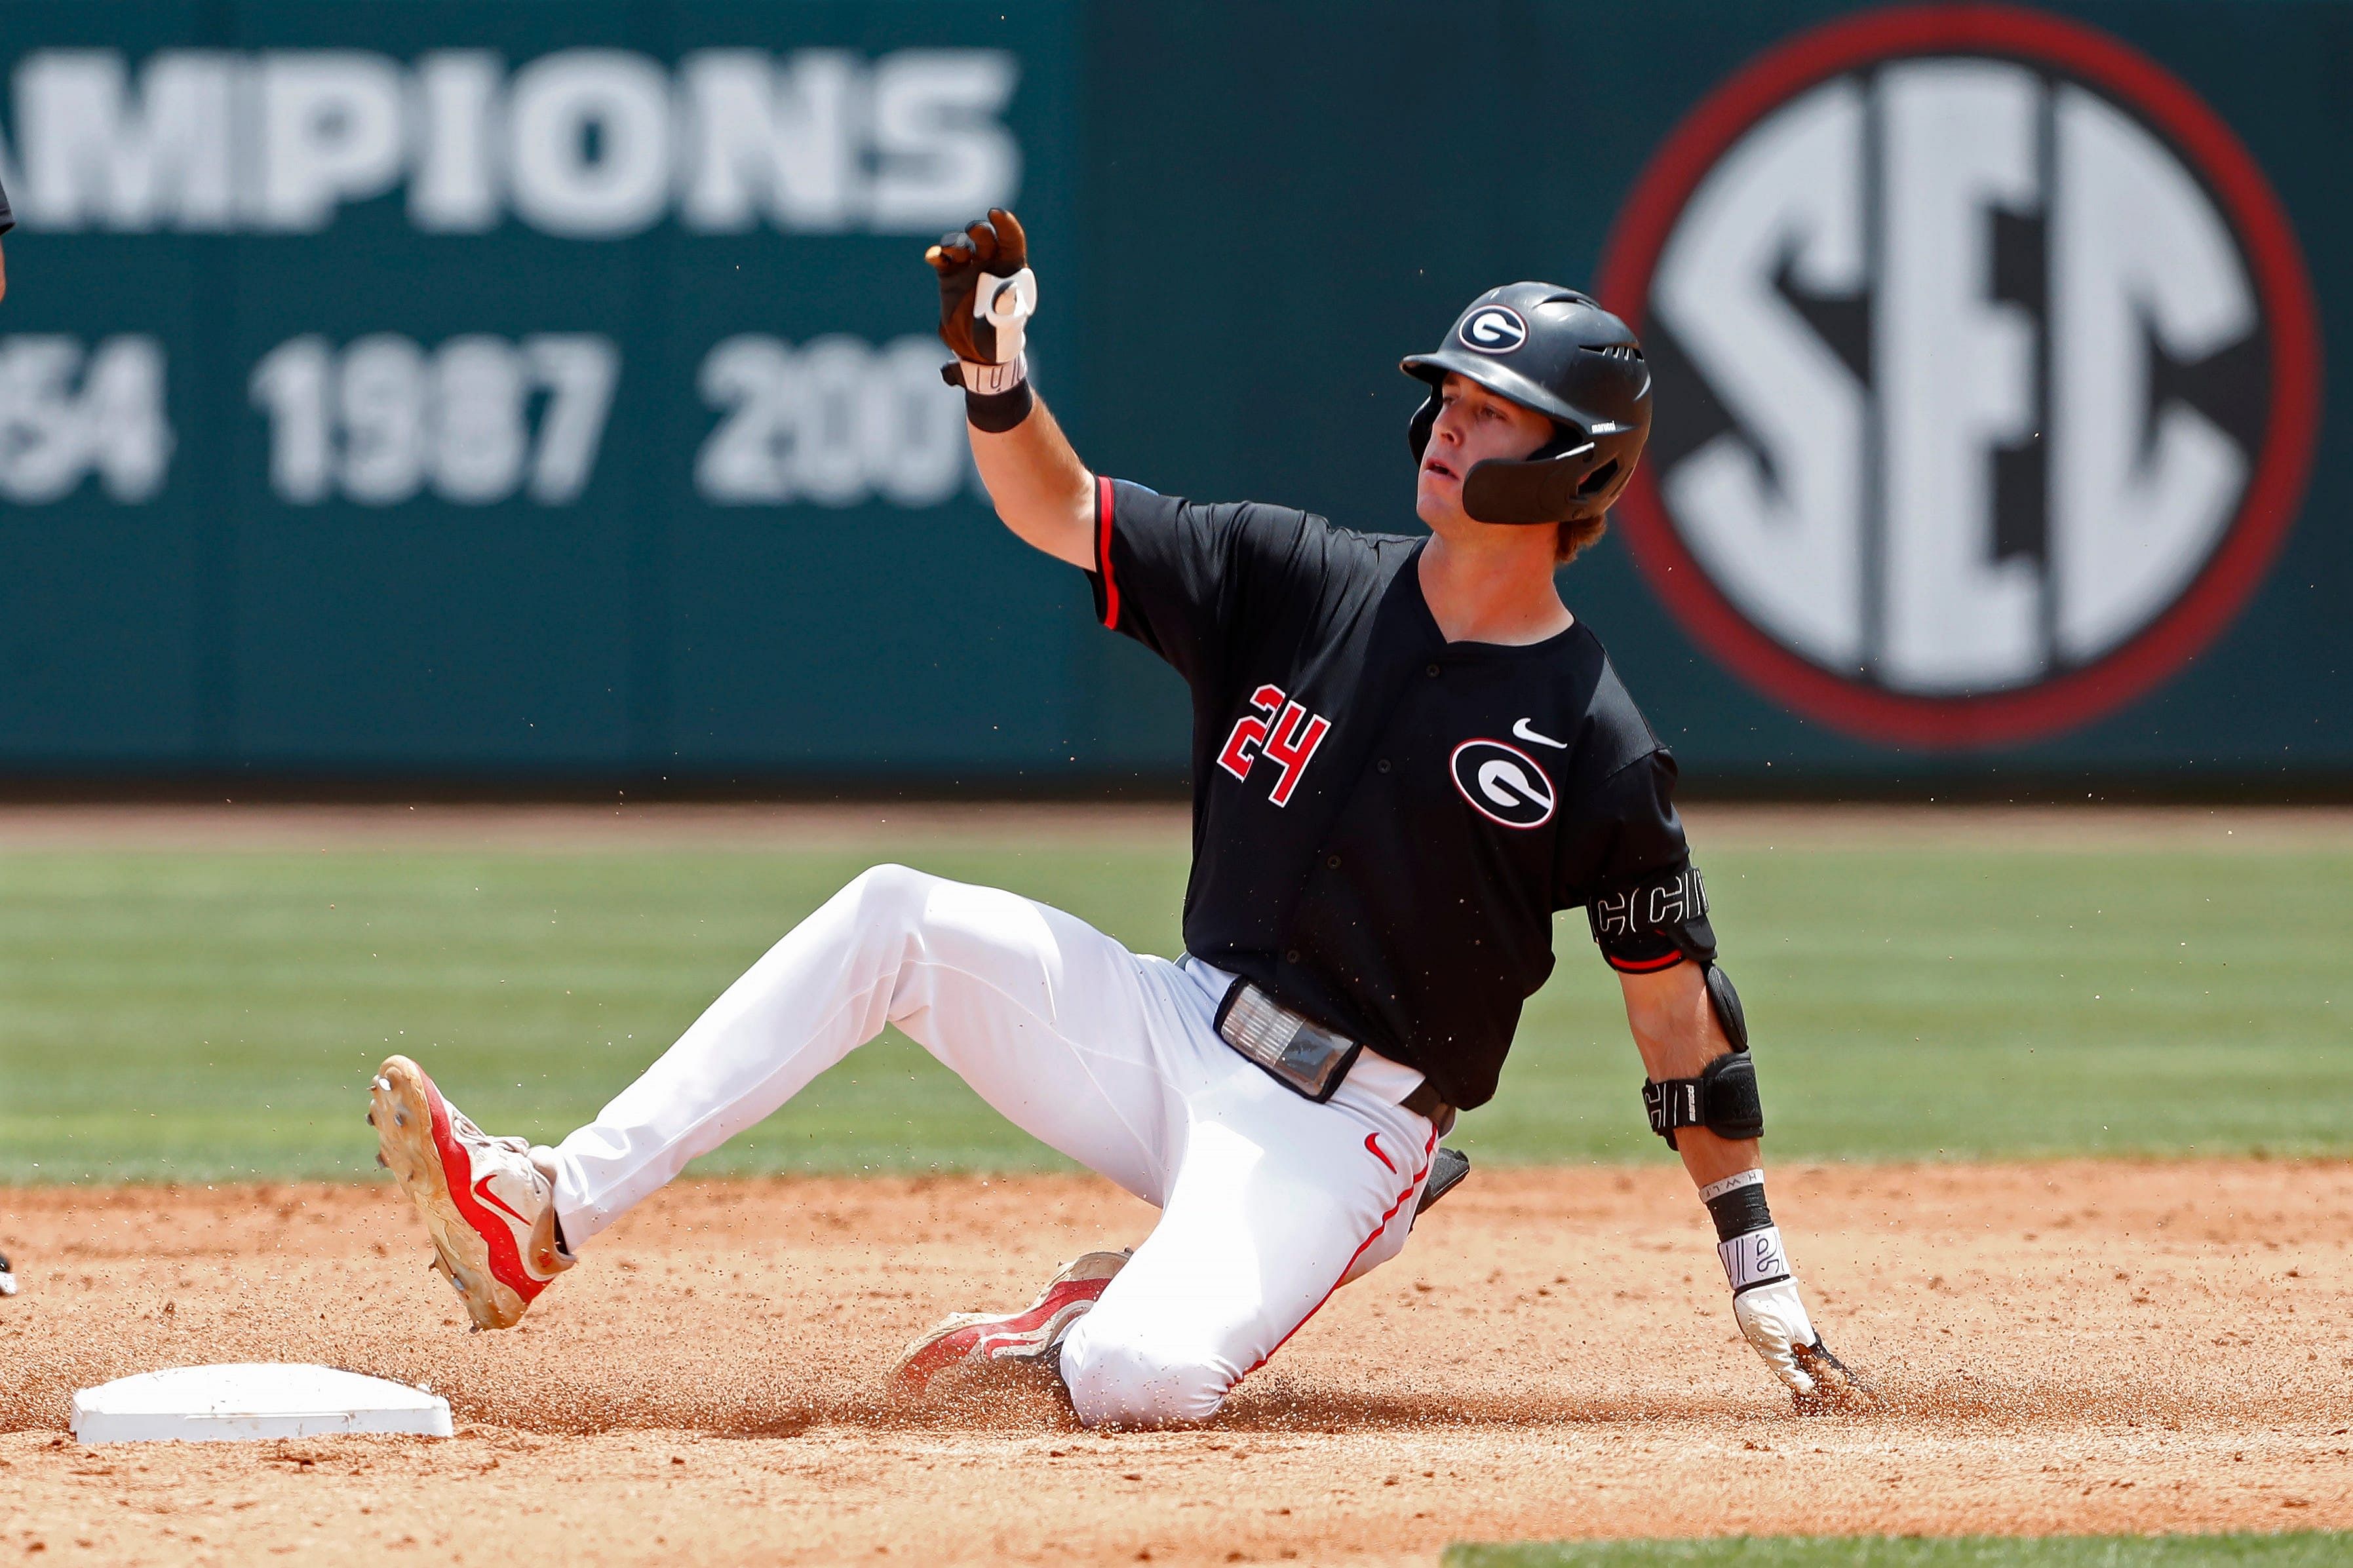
x,y
1426,1101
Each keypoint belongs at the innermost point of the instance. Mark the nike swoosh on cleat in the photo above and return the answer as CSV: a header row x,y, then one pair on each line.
x,y
482,1191
1526,732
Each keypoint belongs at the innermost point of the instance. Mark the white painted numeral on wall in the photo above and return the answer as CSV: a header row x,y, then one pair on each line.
x,y
580,373
834,422
385,420
67,413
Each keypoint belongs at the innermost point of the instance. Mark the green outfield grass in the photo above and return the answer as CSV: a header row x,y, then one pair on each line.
x,y
2311,1550
167,1015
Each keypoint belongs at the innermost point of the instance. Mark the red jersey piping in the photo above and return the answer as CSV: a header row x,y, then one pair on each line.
x,y
1102,554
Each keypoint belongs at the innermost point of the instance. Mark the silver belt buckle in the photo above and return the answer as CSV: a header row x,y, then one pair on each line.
x,y
1299,1053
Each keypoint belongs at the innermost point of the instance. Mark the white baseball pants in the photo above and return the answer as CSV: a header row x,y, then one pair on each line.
x,y
1269,1202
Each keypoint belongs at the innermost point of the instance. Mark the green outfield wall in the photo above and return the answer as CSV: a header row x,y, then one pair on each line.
x,y
520,395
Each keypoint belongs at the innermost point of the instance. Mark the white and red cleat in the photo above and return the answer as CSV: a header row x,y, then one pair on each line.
x,y
965,1342
489,1206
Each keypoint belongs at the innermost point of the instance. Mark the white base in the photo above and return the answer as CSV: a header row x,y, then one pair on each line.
x,y
249,1400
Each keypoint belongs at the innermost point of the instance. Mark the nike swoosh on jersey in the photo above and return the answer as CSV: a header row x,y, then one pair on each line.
x,y
1526,732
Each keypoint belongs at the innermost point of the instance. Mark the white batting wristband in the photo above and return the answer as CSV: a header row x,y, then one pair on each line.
x,y
1007,304
1714,1190
1754,1260
988,379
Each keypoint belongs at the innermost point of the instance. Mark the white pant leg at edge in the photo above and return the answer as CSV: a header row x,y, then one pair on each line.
x,y
1055,1025
1277,1202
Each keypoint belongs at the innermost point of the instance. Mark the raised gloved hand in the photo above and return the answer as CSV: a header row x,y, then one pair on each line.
x,y
1774,1319
986,295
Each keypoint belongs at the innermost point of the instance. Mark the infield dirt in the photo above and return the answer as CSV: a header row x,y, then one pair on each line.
x,y
2061,1347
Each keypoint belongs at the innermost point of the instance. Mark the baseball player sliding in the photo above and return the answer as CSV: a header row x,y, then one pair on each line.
x,y
1406,755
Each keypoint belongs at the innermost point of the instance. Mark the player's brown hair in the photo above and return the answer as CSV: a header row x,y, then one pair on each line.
x,y
1575,538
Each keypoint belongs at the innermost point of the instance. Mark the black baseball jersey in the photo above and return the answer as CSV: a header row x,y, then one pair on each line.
x,y
1383,821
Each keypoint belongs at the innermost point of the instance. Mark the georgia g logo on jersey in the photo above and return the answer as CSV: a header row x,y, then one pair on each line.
x,y
1988,373
1503,784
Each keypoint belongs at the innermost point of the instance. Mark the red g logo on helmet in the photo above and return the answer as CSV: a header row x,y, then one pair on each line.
x,y
1987,373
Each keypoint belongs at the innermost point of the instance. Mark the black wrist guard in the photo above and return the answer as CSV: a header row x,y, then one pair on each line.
x,y
1737,1205
995,412
1722,1098
998,412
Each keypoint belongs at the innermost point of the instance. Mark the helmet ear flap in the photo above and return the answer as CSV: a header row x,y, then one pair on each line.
x,y
1425,420
1550,485
1529,492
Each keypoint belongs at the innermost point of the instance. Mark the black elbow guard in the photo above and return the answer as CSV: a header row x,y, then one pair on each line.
x,y
1655,923
1722,1098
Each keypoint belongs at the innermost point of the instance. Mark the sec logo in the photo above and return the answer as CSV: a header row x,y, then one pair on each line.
x,y
1503,784
1496,330
1988,374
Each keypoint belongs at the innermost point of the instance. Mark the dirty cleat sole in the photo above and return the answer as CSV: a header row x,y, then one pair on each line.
x,y
414,1142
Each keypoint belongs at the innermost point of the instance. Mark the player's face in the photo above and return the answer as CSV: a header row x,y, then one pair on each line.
x,y
1474,426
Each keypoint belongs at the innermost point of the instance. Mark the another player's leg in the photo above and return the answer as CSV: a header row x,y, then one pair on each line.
x,y
1048,1020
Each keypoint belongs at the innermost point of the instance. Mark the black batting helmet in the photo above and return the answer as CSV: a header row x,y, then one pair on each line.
x,y
1555,351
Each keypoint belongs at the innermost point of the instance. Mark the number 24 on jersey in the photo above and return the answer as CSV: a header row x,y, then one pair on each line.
x,y
1281,730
